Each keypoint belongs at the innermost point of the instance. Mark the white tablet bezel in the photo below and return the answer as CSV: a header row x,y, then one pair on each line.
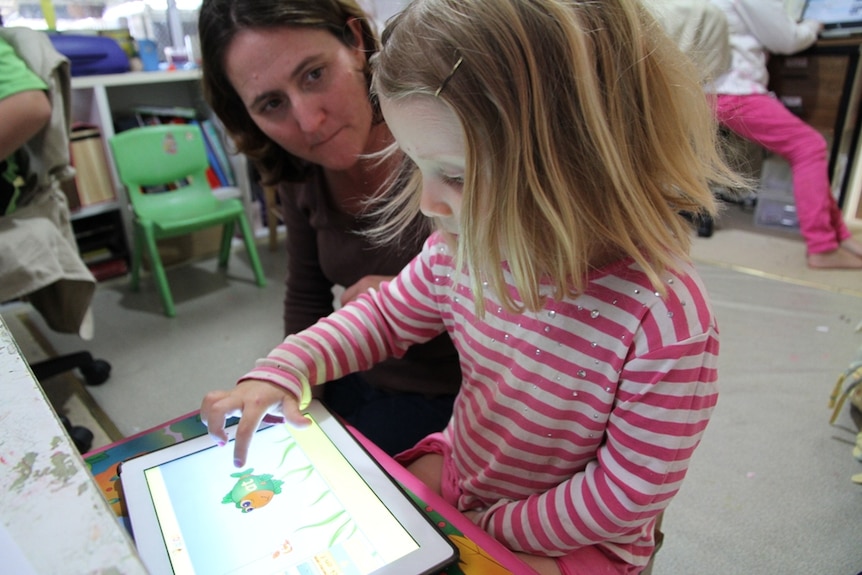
x,y
435,551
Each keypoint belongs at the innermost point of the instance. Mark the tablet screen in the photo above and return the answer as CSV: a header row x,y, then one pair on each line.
x,y
304,503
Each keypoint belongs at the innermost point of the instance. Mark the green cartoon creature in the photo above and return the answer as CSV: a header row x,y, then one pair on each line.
x,y
252,491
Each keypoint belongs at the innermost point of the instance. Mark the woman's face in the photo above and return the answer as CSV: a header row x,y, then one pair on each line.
x,y
304,89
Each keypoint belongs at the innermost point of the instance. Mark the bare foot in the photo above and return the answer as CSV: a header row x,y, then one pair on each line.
x,y
839,259
852,245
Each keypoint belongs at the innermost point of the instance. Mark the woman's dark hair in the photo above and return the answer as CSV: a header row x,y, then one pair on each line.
x,y
218,24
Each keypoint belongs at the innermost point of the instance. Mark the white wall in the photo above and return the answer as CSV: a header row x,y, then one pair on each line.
x,y
381,10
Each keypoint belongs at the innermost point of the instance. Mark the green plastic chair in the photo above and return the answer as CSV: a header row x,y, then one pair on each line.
x,y
154,156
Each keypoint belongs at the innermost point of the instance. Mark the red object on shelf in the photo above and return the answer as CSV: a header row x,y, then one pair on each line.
x,y
108,269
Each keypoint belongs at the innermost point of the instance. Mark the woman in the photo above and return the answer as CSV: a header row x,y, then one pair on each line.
x,y
290,82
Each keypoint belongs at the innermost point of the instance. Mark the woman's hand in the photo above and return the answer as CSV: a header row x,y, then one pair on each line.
x,y
250,400
362,286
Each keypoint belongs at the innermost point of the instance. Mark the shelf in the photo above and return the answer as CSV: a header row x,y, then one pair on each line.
x,y
101,241
94,210
134,78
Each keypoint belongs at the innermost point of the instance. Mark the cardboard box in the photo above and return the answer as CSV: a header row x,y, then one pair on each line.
x,y
198,245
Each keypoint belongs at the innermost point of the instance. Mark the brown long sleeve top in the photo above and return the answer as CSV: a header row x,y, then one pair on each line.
x,y
325,247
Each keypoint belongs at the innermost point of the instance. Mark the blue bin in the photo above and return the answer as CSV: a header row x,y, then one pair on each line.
x,y
91,55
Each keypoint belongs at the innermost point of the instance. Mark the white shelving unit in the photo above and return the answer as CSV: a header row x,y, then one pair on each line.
x,y
100,100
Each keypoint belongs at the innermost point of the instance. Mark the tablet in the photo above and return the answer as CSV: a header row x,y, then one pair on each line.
x,y
309,501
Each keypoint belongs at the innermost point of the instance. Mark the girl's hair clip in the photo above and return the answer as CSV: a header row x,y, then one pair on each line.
x,y
449,77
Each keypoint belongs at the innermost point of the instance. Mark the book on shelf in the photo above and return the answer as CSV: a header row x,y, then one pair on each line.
x,y
109,268
212,136
92,183
154,115
97,255
215,173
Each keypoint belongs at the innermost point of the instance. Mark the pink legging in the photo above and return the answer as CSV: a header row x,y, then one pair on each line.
x,y
764,120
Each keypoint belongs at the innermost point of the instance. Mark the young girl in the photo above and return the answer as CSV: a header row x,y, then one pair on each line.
x,y
744,105
554,142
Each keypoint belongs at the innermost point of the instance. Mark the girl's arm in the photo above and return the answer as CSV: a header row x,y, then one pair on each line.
x,y
365,284
662,407
377,325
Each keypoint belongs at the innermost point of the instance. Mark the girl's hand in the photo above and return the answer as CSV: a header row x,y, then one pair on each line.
x,y
362,286
250,400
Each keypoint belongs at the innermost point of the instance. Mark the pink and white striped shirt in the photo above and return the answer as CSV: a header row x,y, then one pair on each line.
x,y
575,425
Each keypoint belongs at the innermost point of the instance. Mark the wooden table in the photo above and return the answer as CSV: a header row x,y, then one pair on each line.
x,y
54,516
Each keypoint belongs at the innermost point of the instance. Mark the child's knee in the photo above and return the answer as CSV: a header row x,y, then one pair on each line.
x,y
429,470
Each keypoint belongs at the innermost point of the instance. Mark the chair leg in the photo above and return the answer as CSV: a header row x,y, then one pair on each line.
x,y
159,275
95,371
224,248
269,203
137,256
251,248
81,436
705,226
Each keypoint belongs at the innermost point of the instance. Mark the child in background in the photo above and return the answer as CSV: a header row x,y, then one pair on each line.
x,y
744,105
554,143
699,29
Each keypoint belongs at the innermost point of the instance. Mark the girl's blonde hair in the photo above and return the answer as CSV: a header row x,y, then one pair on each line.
x,y
586,134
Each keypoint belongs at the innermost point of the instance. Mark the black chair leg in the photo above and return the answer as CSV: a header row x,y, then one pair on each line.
x,y
81,436
705,225
95,371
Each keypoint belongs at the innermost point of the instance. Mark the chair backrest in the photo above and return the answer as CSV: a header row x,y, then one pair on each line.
x,y
172,155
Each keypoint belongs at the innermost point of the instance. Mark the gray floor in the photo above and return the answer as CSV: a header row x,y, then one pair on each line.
x,y
769,490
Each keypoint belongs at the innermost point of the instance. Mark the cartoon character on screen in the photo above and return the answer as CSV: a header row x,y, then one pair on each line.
x,y
283,549
252,491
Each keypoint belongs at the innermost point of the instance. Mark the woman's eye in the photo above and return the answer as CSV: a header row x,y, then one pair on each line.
x,y
314,75
270,105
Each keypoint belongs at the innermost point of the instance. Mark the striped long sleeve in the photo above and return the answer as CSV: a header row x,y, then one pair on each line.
x,y
575,425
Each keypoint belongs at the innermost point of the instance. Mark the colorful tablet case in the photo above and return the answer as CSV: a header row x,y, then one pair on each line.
x,y
480,554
